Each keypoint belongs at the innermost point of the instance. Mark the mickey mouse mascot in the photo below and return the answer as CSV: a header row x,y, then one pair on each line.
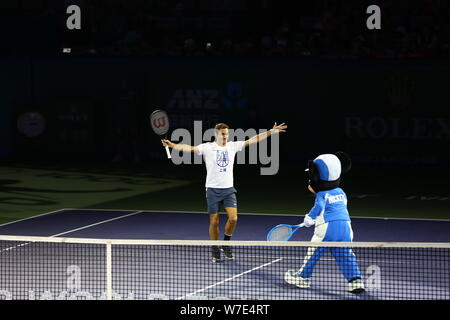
x,y
331,219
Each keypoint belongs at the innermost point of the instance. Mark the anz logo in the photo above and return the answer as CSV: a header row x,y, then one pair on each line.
x,y
233,97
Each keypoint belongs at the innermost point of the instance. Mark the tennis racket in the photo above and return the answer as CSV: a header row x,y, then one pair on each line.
x,y
283,232
160,125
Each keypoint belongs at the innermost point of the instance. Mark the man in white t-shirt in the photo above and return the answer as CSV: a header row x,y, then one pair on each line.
x,y
220,192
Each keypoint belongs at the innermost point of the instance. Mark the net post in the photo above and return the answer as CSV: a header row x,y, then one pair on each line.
x,y
108,270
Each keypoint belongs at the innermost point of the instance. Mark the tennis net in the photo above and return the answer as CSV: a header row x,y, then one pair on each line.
x,y
40,268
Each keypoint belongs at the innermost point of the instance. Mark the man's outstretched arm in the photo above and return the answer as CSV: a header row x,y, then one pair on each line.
x,y
179,146
276,129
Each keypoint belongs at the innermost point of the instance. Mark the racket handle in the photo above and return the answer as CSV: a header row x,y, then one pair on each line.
x,y
168,152
301,225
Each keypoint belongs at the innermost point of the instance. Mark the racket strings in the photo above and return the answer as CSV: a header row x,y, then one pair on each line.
x,y
281,233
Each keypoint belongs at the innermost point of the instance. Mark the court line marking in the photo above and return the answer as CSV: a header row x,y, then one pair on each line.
x,y
229,279
61,210
32,217
264,214
97,223
204,212
76,229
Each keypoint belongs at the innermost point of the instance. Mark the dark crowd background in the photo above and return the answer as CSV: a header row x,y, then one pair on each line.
x,y
85,95
233,28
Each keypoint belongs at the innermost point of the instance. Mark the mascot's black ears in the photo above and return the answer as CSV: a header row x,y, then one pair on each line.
x,y
311,166
311,171
313,175
346,162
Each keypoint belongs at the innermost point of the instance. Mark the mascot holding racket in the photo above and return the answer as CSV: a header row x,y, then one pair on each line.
x,y
331,219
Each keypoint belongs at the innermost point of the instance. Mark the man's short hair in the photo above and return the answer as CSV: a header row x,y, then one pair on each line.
x,y
220,126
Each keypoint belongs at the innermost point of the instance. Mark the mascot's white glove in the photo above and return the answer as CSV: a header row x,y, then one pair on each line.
x,y
308,221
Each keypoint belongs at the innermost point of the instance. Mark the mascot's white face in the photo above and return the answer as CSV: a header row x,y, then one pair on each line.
x,y
328,166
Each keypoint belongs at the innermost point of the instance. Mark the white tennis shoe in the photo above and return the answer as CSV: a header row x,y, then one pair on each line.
x,y
292,277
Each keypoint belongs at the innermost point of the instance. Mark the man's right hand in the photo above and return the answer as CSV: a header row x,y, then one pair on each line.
x,y
167,143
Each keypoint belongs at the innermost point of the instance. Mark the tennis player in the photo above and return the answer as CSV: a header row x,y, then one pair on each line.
x,y
332,222
220,192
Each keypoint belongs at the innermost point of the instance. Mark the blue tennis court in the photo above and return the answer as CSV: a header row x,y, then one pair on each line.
x,y
120,224
186,272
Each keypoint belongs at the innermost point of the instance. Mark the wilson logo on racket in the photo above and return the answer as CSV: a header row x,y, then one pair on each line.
x,y
160,122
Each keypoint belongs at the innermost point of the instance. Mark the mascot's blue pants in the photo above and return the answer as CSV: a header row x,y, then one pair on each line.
x,y
333,231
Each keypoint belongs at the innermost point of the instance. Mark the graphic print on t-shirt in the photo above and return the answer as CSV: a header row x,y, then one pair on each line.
x,y
222,159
